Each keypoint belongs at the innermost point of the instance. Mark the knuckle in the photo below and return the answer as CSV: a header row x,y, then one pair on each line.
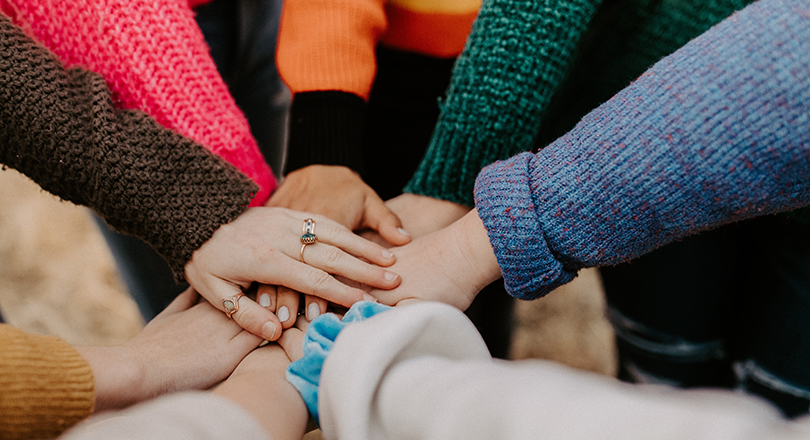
x,y
329,228
319,280
333,257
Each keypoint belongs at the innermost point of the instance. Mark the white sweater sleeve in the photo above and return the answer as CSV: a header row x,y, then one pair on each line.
x,y
423,372
181,416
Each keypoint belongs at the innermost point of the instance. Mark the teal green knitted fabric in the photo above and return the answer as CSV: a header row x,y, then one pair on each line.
x,y
518,58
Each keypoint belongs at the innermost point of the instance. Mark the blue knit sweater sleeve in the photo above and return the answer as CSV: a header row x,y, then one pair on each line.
x,y
717,132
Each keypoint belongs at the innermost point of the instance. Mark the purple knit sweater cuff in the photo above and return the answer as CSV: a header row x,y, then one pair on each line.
x,y
506,206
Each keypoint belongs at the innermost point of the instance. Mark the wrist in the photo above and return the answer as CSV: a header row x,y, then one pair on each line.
x,y
259,386
120,378
326,127
476,250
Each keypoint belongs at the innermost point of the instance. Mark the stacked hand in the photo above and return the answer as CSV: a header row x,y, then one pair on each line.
x,y
440,266
264,245
450,265
189,345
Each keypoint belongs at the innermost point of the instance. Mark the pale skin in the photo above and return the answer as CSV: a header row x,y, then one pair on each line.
x,y
339,193
189,346
261,375
450,265
263,245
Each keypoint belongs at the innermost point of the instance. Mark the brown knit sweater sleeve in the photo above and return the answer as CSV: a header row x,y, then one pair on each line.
x,y
59,127
46,386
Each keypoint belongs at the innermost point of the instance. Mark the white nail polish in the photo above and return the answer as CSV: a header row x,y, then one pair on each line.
x,y
264,300
387,254
390,276
283,314
268,331
403,232
313,311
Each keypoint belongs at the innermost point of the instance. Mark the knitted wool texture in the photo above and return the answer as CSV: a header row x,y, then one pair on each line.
x,y
326,55
154,58
519,54
47,386
516,55
60,129
715,133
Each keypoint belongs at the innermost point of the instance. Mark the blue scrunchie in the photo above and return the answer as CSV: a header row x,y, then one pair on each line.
x,y
305,373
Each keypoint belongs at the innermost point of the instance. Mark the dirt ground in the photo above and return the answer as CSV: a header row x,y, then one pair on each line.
x,y
57,277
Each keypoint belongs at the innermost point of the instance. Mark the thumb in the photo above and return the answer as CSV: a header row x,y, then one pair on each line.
x,y
381,219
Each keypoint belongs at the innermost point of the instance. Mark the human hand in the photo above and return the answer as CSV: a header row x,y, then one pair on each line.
x,y
260,386
340,194
421,215
263,245
450,265
189,345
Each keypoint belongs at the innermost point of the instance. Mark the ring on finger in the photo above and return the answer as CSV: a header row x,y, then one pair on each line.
x,y
231,304
308,236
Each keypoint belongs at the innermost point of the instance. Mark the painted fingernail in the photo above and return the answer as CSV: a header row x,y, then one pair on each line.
x,y
264,300
387,254
268,330
313,311
368,297
283,314
403,232
390,276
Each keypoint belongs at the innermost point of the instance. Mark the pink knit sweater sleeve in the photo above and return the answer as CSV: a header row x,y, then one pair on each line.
x,y
154,58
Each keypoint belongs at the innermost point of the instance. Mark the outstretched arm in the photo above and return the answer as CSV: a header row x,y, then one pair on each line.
x,y
60,128
154,58
425,373
715,133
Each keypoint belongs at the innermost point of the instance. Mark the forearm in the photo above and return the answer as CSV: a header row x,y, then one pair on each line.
x,y
265,394
118,380
154,58
178,416
713,134
62,131
326,57
516,56
433,378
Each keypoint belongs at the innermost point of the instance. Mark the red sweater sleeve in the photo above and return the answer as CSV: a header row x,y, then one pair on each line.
x,y
154,58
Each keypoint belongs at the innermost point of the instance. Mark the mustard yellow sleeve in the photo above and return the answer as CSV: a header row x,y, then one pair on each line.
x,y
46,386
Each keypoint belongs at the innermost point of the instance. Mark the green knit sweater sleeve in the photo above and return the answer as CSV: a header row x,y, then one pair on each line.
x,y
60,128
516,56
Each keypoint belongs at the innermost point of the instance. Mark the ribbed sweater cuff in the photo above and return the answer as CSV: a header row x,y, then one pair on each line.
x,y
326,128
505,204
445,175
47,385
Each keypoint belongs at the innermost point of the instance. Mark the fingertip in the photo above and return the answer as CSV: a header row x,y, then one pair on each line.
x,y
393,279
395,235
313,311
270,331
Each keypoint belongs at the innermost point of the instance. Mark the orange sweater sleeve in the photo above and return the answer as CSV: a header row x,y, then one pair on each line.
x,y
327,57
46,386
329,44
